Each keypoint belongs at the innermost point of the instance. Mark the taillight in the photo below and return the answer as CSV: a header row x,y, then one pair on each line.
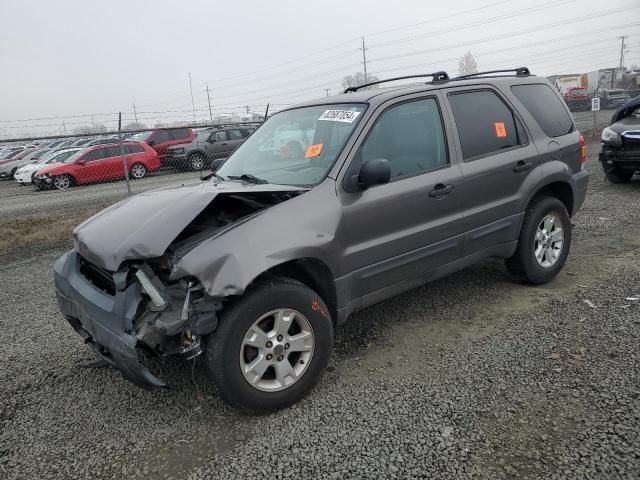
x,y
583,150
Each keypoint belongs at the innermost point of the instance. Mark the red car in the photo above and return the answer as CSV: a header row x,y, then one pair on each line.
x,y
98,164
163,138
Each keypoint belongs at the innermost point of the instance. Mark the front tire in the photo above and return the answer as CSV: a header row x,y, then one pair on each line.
x,y
271,346
615,175
196,162
63,182
544,242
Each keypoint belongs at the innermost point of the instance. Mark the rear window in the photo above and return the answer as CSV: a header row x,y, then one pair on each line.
x,y
546,108
485,124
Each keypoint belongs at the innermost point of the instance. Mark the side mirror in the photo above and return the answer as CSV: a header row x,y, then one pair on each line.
x,y
374,172
217,163
81,162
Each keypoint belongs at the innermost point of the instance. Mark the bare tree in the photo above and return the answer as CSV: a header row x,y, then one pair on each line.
x,y
358,79
467,64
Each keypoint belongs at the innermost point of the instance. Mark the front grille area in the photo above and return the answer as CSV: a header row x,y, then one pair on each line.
x,y
98,276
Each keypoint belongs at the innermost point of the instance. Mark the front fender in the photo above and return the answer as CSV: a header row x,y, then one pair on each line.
x,y
302,227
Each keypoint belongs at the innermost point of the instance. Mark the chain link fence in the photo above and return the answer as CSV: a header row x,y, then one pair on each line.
x,y
119,158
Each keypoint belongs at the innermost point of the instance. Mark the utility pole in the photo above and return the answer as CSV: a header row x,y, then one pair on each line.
x,y
64,127
247,109
364,60
622,38
327,90
209,102
135,112
93,124
193,107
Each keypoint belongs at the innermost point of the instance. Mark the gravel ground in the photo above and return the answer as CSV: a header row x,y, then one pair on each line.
x,y
472,376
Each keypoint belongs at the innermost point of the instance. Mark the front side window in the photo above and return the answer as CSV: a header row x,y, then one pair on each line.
x,y
234,134
97,154
179,134
295,147
485,124
410,136
220,136
546,108
160,136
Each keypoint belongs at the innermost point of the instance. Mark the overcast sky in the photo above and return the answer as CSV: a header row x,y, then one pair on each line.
x,y
74,57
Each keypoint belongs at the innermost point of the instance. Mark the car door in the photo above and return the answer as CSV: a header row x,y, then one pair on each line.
x,y
500,165
413,224
217,144
90,166
159,141
235,139
112,163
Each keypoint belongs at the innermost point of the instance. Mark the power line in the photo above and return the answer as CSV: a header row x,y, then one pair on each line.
x,y
482,22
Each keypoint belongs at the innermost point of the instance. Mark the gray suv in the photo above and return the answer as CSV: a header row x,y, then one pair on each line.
x,y
395,187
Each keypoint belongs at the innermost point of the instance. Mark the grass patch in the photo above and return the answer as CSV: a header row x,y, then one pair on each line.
x,y
33,229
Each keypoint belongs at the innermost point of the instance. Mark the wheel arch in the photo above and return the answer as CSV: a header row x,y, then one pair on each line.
x,y
559,189
312,272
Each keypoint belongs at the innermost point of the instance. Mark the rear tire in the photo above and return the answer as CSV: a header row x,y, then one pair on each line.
x,y
277,372
138,171
544,242
615,175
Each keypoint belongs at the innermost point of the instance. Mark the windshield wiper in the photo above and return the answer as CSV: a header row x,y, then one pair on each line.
x,y
247,177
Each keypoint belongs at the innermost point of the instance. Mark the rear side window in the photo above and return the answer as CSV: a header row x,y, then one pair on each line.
x,y
545,106
129,149
179,134
485,124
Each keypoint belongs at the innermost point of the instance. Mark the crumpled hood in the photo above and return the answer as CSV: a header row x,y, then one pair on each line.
x,y
143,226
50,168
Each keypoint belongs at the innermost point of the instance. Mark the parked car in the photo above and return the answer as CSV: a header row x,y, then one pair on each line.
x,y
207,145
613,98
163,138
577,99
620,154
8,151
256,266
82,142
98,164
25,174
101,141
9,165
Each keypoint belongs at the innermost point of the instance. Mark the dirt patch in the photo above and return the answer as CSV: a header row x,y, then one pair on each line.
x,y
41,228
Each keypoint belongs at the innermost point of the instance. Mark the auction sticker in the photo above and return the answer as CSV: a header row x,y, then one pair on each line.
x,y
345,116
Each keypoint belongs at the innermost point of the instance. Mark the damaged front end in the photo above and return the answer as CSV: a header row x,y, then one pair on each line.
x,y
131,314
141,308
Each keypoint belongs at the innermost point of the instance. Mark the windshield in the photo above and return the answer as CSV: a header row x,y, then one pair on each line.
x,y
65,156
295,147
139,137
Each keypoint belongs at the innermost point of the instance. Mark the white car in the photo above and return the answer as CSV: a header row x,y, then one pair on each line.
x,y
24,175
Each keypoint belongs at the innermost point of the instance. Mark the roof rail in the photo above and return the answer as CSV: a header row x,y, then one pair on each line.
x,y
437,77
520,72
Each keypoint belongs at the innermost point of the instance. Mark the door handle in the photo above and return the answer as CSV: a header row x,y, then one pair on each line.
x,y
440,190
522,166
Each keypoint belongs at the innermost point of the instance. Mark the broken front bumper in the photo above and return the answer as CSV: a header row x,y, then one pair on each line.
x,y
102,320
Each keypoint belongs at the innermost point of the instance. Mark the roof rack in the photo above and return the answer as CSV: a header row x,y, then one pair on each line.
x,y
437,77
520,72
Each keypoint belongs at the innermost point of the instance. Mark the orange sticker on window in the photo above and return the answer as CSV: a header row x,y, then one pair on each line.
x,y
313,150
501,130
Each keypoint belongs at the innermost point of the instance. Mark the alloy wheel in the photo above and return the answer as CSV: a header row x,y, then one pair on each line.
x,y
549,240
276,350
138,171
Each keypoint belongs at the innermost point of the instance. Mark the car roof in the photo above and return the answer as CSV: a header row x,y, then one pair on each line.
x,y
380,95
